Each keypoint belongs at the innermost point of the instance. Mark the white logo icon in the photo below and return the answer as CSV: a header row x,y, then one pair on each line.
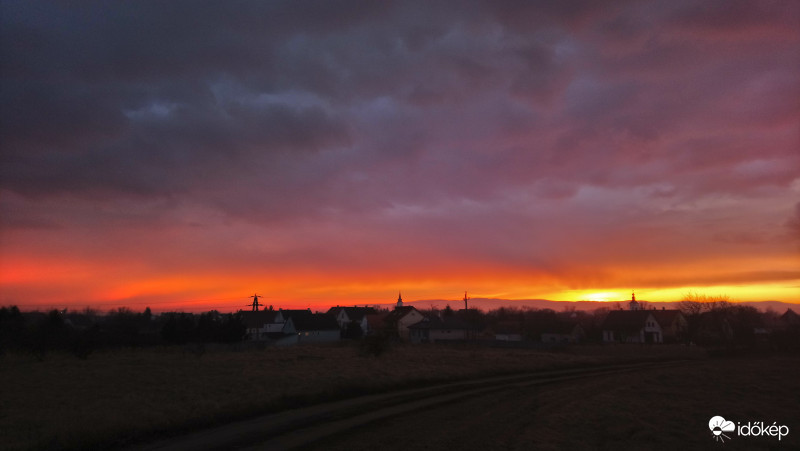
x,y
719,426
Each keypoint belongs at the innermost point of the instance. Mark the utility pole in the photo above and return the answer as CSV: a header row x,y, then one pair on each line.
x,y
255,303
466,301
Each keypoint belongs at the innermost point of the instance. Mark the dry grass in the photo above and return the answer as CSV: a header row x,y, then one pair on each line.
x,y
670,409
125,396
655,409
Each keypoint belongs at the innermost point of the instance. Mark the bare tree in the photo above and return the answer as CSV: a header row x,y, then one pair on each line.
x,y
694,304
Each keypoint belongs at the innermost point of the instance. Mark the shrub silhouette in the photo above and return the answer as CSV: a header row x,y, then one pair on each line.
x,y
375,345
353,331
84,342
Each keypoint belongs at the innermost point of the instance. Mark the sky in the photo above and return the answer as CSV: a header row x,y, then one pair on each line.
x,y
188,154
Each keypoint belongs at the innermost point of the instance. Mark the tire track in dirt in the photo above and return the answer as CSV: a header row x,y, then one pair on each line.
x,y
305,426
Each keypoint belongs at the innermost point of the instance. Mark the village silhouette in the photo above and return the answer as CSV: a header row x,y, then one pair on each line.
x,y
275,378
698,320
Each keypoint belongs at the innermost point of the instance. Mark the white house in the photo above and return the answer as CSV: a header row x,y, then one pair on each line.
x,y
401,318
631,326
347,315
435,329
673,324
563,333
263,325
506,331
312,327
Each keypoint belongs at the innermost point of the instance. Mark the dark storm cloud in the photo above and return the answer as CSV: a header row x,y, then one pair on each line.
x,y
562,142
147,41
357,106
159,148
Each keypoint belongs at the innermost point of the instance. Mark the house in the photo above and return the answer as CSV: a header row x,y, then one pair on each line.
x,y
789,319
474,319
787,330
420,332
673,324
311,327
436,329
398,320
563,333
639,325
287,313
347,315
376,323
631,326
508,331
263,325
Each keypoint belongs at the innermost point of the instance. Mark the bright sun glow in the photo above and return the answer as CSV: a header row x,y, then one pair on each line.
x,y
603,296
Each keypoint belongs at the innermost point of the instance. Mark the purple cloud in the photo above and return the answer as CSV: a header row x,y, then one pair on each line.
x,y
534,137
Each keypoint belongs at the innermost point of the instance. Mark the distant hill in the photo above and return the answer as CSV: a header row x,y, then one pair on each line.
x,y
491,304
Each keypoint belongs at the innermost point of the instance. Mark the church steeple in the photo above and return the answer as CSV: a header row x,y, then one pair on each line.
x,y
633,305
399,299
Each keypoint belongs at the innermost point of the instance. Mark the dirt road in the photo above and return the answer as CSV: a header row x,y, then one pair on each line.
x,y
650,408
458,411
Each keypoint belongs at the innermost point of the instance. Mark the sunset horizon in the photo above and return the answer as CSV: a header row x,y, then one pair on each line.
x,y
184,156
584,299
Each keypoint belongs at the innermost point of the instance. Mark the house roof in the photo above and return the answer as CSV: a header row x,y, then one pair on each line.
x,y
314,321
258,319
565,328
377,320
790,317
353,313
666,317
293,313
399,312
508,327
404,310
626,319
436,323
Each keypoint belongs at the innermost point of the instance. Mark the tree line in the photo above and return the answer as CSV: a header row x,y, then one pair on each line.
x,y
715,320
82,332
710,321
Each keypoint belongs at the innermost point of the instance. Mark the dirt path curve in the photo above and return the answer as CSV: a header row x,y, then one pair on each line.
x,y
303,426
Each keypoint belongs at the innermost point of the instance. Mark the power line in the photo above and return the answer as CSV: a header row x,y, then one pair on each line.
x,y
167,305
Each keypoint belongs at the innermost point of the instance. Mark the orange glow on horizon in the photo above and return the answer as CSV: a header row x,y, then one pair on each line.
x,y
231,293
52,283
621,167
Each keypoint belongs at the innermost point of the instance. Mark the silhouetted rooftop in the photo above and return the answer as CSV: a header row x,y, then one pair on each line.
x,y
436,323
259,318
314,321
353,313
626,319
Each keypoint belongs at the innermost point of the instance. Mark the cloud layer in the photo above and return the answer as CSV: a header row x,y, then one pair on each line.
x,y
522,147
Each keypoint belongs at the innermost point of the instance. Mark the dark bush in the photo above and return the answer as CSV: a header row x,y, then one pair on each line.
x,y
375,345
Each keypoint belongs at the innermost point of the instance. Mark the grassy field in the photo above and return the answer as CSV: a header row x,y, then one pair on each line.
x,y
126,396
664,409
